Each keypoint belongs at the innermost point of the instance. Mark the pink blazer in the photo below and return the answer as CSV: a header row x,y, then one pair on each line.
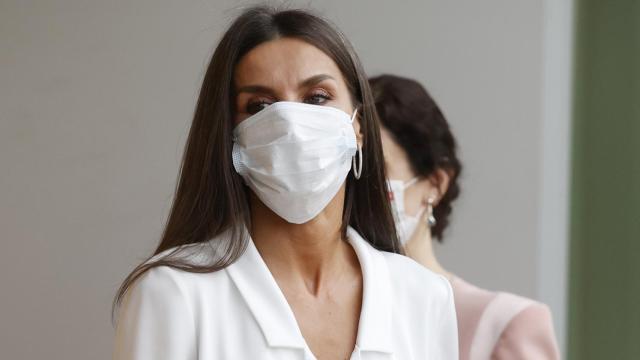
x,y
497,325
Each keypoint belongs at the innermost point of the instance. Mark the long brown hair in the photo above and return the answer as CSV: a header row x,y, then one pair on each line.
x,y
210,196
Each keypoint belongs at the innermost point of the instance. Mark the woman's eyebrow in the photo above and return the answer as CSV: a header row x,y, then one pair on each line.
x,y
254,89
265,89
314,80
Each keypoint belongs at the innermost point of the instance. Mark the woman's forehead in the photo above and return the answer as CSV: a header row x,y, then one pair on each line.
x,y
283,62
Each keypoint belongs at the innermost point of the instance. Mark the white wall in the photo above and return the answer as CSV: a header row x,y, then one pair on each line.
x,y
553,230
95,103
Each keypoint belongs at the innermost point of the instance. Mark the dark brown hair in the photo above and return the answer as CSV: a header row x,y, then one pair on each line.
x,y
210,196
416,123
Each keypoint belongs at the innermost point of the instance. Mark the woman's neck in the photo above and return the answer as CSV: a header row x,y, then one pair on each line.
x,y
420,248
312,254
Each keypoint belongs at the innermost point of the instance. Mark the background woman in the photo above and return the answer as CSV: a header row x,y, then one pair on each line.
x,y
423,170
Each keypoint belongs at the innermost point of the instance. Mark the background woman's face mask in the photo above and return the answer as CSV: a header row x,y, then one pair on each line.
x,y
295,156
405,224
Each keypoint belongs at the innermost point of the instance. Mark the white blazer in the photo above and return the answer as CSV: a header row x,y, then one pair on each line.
x,y
240,313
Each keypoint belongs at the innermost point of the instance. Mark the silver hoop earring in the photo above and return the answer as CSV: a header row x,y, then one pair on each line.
x,y
357,171
431,220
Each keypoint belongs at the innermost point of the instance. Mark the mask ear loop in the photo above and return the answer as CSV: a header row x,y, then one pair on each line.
x,y
410,182
357,170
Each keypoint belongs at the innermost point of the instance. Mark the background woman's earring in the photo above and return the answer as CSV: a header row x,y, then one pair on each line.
x,y
357,171
431,220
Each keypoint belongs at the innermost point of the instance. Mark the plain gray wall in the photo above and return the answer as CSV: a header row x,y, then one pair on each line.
x,y
96,99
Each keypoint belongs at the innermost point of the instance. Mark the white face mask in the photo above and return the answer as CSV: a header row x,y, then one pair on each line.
x,y
405,224
295,156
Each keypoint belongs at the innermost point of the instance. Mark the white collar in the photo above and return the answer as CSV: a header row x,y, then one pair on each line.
x,y
276,319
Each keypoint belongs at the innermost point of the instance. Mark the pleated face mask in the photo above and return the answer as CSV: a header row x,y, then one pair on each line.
x,y
295,156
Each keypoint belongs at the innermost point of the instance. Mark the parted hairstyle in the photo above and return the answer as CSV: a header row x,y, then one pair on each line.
x,y
211,197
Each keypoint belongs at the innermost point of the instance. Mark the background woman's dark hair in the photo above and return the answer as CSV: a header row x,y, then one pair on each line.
x,y
415,121
210,196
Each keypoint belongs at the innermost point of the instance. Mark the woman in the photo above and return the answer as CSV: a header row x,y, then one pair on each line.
x,y
423,168
281,242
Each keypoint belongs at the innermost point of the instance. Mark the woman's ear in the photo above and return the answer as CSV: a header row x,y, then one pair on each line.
x,y
440,180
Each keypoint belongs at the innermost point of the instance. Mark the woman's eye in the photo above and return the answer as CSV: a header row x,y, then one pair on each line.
x,y
317,99
256,106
